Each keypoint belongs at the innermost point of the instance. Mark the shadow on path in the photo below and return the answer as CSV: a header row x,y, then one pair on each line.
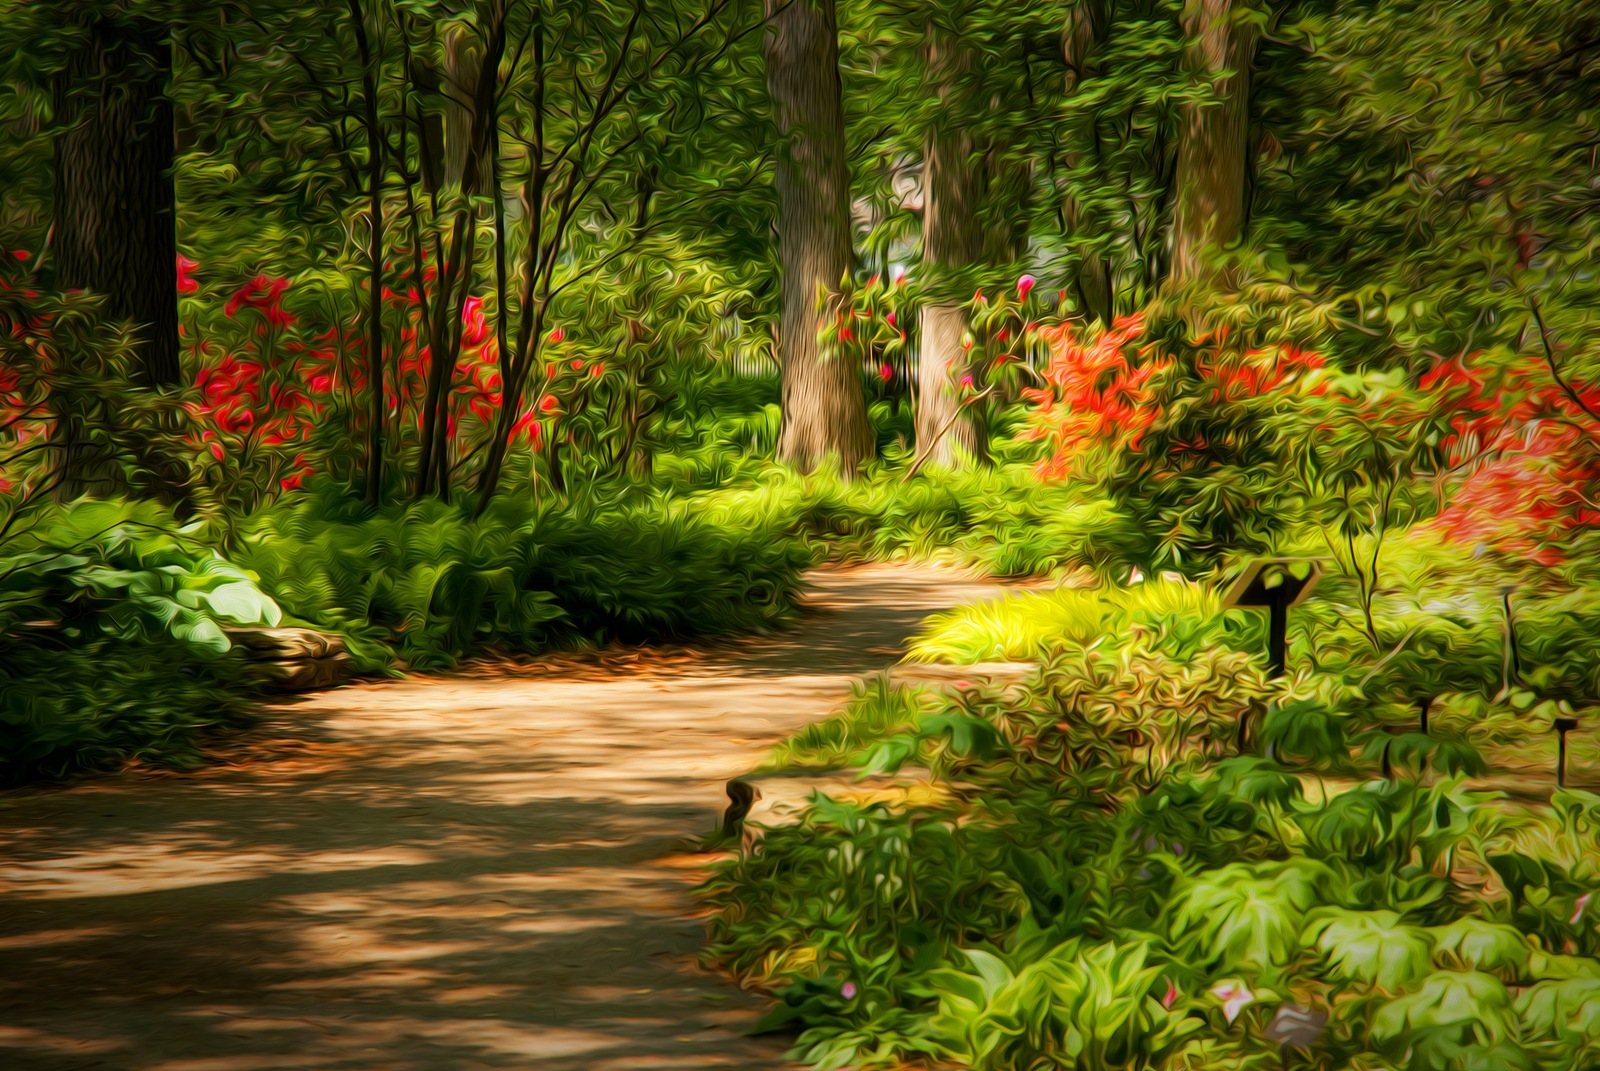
x,y
436,873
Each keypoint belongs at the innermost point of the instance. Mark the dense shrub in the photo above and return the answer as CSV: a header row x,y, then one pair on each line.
x,y
431,584
113,618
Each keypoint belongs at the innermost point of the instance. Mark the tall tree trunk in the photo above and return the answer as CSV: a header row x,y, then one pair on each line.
x,y
115,203
375,369
953,191
951,238
1209,214
824,409
1086,29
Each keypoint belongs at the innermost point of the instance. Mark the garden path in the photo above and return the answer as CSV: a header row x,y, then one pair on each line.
x,y
482,870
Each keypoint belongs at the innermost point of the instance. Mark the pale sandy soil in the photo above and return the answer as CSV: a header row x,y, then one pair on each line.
x,y
478,871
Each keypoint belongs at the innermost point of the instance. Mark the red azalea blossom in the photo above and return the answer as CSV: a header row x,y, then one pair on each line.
x,y
186,282
264,293
548,402
558,335
886,372
1025,286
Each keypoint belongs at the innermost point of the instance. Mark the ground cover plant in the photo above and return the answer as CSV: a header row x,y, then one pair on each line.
x,y
1146,860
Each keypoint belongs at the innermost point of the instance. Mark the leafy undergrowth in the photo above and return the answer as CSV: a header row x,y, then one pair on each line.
x,y
1002,521
1152,854
114,650
430,584
1024,625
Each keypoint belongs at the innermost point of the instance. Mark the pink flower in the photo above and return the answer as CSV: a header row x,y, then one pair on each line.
x,y
1234,996
979,298
558,335
848,990
1583,902
890,318
186,282
216,451
966,381
1171,995
1024,286
885,372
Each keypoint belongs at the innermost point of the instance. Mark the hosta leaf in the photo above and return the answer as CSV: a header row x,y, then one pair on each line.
x,y
1561,1010
1373,947
242,603
1468,1000
1475,945
1247,914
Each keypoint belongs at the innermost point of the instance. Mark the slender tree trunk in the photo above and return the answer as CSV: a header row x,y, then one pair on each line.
x,y
375,366
1085,31
824,410
952,239
115,203
1209,214
474,128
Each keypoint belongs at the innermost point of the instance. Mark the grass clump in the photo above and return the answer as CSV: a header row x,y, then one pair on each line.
x,y
1027,625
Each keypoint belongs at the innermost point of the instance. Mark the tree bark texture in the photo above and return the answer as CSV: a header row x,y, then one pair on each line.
x,y
824,409
115,203
1213,147
375,366
1084,33
952,238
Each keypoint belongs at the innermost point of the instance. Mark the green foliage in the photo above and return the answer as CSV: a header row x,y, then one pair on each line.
x,y
104,703
1092,1009
1024,625
1141,857
878,709
430,583
127,571
114,649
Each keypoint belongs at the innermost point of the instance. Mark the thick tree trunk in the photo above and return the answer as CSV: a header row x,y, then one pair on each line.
x,y
824,410
1209,214
115,205
951,238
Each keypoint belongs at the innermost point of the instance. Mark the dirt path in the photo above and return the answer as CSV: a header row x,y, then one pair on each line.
x,y
438,873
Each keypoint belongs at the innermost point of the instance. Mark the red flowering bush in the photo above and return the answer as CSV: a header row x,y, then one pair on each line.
x,y
1528,448
1188,439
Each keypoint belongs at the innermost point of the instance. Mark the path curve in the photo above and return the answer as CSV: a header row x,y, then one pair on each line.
x,y
436,874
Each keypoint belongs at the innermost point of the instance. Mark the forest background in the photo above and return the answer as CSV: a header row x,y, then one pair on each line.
x,y
495,326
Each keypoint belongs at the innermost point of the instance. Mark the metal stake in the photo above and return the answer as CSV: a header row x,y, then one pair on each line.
x,y
1563,726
